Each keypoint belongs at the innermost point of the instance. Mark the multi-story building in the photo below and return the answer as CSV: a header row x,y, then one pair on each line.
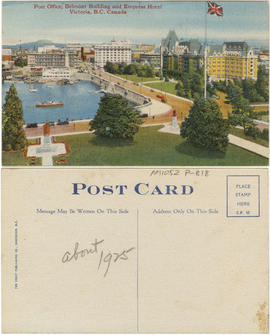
x,y
152,59
57,60
56,73
235,61
139,49
186,63
6,55
263,59
116,52
87,54
193,47
47,48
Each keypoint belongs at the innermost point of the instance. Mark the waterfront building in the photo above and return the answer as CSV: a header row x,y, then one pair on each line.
x,y
52,59
6,55
56,73
116,52
234,61
87,54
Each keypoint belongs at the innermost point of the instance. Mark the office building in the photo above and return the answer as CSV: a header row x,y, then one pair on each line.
x,y
50,59
115,52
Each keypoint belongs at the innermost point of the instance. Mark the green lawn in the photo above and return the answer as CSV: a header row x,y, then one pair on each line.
x,y
150,148
259,103
261,115
264,117
165,86
240,133
135,78
17,158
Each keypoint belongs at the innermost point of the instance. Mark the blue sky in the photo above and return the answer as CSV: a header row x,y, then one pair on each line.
x,y
242,21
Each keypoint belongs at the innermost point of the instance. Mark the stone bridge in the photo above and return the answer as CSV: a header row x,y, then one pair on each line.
x,y
138,99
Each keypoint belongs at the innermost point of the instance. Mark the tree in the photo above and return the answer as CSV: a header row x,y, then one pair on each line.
x,y
13,136
262,84
205,127
115,118
21,62
179,85
149,71
130,69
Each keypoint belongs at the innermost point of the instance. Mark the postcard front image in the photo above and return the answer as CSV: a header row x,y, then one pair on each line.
x,y
128,84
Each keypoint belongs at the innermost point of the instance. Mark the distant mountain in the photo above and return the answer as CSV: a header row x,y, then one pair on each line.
x,y
34,45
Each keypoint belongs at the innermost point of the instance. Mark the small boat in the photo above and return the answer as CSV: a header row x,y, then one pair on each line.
x,y
50,104
96,91
32,88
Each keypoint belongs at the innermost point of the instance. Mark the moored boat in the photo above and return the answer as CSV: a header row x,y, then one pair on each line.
x,y
50,104
32,88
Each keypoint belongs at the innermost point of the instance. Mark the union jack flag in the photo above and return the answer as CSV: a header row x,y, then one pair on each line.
x,y
214,9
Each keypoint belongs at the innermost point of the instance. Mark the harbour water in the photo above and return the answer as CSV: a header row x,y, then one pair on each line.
x,y
80,101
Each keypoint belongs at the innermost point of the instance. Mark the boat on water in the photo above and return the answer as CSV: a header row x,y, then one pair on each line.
x,y
95,91
32,88
50,104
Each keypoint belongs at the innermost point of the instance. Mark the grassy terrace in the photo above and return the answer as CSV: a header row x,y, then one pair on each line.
x,y
264,117
135,78
240,133
225,108
18,159
150,148
165,86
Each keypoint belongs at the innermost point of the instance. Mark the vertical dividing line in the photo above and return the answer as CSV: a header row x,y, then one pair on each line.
x,y
137,271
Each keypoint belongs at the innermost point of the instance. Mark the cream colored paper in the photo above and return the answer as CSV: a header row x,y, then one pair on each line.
x,y
179,263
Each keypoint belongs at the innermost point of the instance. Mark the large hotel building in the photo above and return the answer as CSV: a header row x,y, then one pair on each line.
x,y
232,60
116,52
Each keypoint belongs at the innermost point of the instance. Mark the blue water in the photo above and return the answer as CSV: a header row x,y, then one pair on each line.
x,y
78,102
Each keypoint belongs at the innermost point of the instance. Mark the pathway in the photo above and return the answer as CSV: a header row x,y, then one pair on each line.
x,y
260,105
250,146
155,108
46,150
150,82
240,142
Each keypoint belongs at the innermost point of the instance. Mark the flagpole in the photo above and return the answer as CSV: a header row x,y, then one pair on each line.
x,y
205,52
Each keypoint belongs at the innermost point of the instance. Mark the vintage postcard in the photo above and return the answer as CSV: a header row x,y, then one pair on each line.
x,y
135,83
135,147
139,250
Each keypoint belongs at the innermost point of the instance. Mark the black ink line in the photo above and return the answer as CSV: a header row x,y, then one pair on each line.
x,y
137,271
